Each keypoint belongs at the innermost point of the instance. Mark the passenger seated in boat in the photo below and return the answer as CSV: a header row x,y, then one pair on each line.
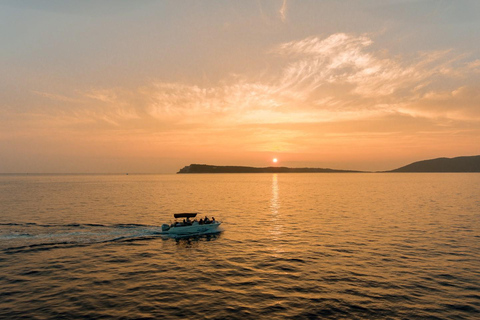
x,y
200,221
213,219
207,221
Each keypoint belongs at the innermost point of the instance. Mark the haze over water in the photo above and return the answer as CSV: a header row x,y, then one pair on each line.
x,y
294,246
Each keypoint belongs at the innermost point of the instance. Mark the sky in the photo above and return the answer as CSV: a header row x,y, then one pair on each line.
x,y
151,86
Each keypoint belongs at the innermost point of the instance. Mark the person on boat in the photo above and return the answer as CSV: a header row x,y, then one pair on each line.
x,y
213,219
200,221
207,221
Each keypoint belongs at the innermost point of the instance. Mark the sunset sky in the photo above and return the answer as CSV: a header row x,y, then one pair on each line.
x,y
152,86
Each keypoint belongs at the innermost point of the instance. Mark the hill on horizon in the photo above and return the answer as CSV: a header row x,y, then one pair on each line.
x,y
204,168
458,164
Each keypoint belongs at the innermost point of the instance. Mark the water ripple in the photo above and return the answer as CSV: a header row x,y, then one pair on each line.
x,y
294,247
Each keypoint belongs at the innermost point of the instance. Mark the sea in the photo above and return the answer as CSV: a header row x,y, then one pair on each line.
x,y
292,246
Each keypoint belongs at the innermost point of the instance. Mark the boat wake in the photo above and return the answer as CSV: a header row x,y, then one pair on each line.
x,y
20,237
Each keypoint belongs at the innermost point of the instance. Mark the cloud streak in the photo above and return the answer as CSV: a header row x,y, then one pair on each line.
x,y
283,11
331,79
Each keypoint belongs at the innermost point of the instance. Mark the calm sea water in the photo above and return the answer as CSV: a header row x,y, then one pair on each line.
x,y
294,246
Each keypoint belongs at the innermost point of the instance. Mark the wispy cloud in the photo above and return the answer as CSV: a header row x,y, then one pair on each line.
x,y
57,97
343,59
283,11
340,79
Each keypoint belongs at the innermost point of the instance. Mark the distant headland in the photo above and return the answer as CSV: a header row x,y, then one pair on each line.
x,y
458,164
204,168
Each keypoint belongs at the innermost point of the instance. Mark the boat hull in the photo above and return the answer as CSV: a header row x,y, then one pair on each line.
x,y
195,229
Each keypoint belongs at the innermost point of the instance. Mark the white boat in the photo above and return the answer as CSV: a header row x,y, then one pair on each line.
x,y
189,227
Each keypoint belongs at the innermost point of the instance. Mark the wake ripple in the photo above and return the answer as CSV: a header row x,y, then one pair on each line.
x,y
27,237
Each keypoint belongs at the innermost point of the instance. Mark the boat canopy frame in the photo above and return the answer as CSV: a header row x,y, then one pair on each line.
x,y
185,215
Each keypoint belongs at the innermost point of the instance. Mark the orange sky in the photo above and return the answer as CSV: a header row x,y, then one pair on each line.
x,y
151,86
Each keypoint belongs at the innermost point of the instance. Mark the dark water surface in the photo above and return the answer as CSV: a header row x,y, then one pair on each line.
x,y
295,246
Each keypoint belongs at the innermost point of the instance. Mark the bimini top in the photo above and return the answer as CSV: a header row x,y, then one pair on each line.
x,y
185,215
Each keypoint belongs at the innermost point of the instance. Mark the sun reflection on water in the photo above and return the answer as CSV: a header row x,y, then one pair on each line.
x,y
276,224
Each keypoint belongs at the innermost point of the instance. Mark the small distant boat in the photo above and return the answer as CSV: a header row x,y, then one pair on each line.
x,y
188,227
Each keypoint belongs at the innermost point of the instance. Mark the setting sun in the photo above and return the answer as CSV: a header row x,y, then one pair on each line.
x,y
275,160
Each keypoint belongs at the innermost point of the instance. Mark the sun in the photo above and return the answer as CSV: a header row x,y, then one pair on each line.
x,y
275,160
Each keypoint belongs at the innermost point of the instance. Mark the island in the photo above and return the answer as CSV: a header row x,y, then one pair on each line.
x,y
458,164
204,168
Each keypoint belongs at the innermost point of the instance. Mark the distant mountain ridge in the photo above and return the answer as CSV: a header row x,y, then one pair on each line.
x,y
204,168
458,164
